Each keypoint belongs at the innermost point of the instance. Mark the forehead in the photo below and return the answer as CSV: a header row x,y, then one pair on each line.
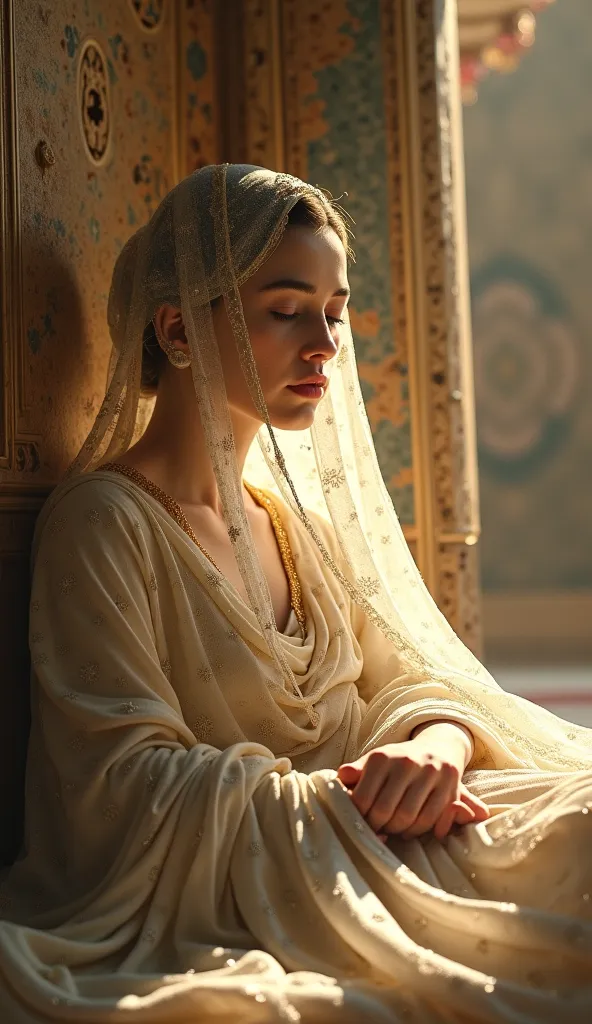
x,y
309,253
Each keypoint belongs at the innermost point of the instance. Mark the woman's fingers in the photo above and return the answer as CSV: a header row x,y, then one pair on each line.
x,y
480,809
398,802
466,810
457,814
371,781
430,810
349,774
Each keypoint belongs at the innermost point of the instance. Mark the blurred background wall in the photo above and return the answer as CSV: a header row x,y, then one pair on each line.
x,y
528,149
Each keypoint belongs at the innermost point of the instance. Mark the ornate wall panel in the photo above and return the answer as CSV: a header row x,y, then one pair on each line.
x,y
341,133
371,107
89,158
439,341
88,147
199,123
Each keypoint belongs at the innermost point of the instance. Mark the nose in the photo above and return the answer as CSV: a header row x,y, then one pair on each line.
x,y
322,346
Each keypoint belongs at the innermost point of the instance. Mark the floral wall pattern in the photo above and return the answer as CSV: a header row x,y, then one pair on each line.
x,y
94,89
337,138
528,144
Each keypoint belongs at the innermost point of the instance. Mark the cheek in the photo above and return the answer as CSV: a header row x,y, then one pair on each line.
x,y
270,345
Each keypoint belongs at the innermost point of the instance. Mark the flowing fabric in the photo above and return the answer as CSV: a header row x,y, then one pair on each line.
x,y
191,856
212,232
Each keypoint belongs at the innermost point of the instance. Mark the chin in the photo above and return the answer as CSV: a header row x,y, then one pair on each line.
x,y
293,419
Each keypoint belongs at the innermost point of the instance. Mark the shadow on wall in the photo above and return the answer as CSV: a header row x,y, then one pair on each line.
x,y
63,373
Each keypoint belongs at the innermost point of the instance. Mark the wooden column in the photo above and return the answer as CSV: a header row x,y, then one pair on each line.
x,y
422,41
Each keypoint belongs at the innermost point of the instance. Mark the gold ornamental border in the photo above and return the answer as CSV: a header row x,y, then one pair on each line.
x,y
431,297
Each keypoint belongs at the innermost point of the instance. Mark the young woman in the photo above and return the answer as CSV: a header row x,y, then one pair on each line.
x,y
266,781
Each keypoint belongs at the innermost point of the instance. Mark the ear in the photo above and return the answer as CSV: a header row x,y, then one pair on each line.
x,y
168,322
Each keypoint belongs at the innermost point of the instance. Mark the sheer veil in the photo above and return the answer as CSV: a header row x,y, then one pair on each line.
x,y
209,235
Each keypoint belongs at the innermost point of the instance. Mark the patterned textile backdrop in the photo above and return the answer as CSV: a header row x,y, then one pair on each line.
x,y
528,143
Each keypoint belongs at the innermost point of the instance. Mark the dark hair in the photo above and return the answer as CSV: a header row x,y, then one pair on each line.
x,y
310,211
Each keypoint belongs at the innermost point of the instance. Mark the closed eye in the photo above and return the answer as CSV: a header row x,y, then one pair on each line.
x,y
292,316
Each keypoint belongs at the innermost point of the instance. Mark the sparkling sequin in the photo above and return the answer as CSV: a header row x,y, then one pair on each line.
x,y
77,743
67,585
202,728
266,728
89,673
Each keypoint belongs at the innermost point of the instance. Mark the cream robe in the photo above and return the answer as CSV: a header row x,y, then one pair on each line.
x,y
190,856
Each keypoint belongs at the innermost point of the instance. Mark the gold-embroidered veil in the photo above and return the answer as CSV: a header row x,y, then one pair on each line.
x,y
209,235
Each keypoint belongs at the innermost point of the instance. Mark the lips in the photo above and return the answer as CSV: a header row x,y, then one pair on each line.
x,y
319,379
307,390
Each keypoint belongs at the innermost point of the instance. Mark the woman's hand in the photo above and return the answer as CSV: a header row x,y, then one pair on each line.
x,y
407,789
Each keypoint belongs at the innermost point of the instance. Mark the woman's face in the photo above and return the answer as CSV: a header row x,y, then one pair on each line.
x,y
294,306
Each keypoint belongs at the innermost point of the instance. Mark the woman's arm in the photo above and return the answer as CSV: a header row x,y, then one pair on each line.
x,y
109,735
451,737
401,704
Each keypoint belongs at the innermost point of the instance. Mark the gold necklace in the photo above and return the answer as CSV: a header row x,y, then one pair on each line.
x,y
176,512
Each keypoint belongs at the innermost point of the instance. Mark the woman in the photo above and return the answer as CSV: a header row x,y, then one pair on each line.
x,y
266,781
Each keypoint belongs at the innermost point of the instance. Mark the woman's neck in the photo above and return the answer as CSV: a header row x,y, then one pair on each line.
x,y
173,452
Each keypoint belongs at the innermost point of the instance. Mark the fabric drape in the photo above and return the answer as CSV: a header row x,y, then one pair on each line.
x,y
191,855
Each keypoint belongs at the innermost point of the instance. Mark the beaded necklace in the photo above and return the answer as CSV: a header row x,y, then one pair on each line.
x,y
176,512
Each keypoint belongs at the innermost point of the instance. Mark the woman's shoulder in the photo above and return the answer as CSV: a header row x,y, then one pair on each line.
x,y
98,499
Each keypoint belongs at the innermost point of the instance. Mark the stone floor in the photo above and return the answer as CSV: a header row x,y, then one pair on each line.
x,y
565,690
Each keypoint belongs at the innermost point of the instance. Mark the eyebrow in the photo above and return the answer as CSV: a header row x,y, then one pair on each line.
x,y
298,286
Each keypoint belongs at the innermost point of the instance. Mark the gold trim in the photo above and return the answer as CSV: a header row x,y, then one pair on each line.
x,y
176,512
458,401
417,323
285,550
169,504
